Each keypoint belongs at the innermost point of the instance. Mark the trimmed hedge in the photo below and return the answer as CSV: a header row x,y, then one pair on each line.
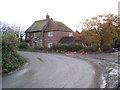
x,y
106,48
74,47
39,48
92,48
66,47
23,45
71,48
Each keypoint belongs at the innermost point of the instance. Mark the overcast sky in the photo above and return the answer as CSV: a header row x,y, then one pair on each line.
x,y
70,12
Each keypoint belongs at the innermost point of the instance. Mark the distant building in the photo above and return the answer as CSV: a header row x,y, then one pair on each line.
x,y
46,33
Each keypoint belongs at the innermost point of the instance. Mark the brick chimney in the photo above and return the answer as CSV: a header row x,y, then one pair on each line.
x,y
47,16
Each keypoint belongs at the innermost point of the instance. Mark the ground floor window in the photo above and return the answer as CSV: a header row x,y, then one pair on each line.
x,y
50,45
70,34
35,44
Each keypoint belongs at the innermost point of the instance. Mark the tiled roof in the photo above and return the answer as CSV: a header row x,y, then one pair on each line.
x,y
67,40
48,25
37,26
55,25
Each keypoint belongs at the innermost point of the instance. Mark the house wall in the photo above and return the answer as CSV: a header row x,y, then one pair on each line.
x,y
57,35
34,40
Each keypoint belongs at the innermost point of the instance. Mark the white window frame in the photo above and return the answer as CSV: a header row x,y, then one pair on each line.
x,y
50,45
50,34
41,42
27,35
34,35
70,34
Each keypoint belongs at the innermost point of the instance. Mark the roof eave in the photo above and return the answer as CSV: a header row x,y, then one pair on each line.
x,y
33,31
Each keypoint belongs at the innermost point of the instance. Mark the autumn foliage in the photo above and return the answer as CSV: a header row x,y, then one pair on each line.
x,y
99,30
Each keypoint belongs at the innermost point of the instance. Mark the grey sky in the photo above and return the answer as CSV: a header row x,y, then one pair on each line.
x,y
70,12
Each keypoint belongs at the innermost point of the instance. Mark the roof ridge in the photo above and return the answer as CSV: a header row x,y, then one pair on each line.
x,y
48,25
40,20
44,20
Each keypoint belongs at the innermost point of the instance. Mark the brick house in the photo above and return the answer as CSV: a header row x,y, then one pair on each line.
x,y
46,33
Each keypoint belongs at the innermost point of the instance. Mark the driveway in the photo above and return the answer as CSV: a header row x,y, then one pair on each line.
x,y
45,70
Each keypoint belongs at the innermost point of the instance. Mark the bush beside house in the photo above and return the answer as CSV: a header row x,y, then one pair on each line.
x,y
67,47
23,45
10,59
106,48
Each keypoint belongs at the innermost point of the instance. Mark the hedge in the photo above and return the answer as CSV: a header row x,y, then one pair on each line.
x,y
66,47
10,59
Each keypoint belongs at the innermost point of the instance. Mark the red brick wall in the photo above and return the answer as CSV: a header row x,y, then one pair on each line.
x,y
57,35
32,40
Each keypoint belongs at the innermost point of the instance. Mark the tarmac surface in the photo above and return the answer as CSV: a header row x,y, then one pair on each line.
x,y
45,70
107,68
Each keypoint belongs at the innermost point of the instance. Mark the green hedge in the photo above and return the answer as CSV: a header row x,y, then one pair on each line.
x,y
66,47
92,48
23,45
11,62
106,48
69,48
74,47
10,59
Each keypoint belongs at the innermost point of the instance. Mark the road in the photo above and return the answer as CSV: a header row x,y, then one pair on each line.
x,y
45,70
106,67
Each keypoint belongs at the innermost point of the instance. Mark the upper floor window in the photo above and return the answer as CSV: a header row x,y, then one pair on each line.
x,y
27,35
70,34
50,34
34,35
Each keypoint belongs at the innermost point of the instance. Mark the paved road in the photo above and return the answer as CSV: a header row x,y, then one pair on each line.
x,y
45,70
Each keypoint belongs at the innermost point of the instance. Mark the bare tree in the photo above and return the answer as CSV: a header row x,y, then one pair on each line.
x,y
4,27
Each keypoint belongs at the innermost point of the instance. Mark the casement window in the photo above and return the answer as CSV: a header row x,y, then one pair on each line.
x,y
50,45
35,43
70,34
34,35
50,34
41,42
27,35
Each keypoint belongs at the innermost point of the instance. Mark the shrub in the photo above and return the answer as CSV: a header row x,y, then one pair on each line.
x,y
10,59
11,62
38,48
23,45
78,47
106,48
41,48
66,47
92,48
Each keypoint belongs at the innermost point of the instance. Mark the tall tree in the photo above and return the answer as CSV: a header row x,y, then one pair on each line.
x,y
90,37
106,26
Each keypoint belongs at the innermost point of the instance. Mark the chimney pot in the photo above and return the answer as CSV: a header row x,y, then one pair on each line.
x,y
47,16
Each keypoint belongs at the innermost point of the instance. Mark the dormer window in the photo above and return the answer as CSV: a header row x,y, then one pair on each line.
x,y
50,34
